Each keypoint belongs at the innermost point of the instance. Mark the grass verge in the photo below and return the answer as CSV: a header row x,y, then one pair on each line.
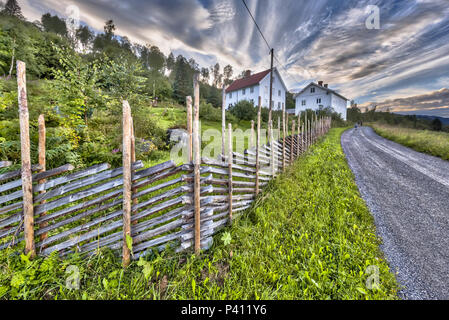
x,y
430,142
309,236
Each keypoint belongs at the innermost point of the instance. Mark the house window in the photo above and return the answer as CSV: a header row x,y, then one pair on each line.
x,y
303,102
312,90
230,95
279,93
318,100
251,90
243,91
279,105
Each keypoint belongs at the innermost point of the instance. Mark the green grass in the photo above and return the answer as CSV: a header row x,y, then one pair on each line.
x,y
430,142
308,236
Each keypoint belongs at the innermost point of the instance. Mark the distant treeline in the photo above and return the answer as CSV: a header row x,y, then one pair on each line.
x,y
407,121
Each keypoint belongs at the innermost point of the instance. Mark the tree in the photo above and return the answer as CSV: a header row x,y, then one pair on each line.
x,y
84,36
227,74
171,61
182,86
354,114
217,76
156,59
205,74
77,85
12,8
54,24
109,29
437,125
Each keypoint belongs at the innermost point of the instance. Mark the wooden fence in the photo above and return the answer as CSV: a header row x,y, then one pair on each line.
x,y
136,209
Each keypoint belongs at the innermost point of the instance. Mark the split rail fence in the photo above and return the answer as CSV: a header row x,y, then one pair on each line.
x,y
136,209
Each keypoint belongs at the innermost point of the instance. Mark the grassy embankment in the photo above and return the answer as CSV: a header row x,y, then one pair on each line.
x,y
430,142
309,236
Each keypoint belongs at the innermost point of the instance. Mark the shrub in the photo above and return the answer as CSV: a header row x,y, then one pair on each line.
x,y
244,110
208,112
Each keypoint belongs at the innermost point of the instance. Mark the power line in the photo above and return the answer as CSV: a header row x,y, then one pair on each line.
x,y
268,45
257,26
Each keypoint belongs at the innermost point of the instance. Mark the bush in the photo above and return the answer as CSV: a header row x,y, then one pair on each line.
x,y
244,110
208,112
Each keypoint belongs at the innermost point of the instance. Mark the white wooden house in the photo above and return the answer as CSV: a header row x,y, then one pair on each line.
x,y
252,86
317,95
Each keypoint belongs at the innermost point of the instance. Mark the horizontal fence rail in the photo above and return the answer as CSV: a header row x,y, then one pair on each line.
x,y
181,206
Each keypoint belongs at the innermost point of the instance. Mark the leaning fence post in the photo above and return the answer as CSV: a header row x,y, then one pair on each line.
x,y
196,163
283,139
27,182
299,134
189,128
302,138
273,164
223,122
292,140
126,183
230,158
133,160
42,163
258,145
251,137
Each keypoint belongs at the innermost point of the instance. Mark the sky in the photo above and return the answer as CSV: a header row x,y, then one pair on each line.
x,y
402,66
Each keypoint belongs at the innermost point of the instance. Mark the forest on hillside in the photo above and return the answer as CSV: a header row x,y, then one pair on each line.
x,y
78,78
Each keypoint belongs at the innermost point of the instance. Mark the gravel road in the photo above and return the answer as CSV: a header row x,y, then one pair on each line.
x,y
408,195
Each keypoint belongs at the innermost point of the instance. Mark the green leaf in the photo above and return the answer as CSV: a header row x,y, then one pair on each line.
x,y
226,238
129,242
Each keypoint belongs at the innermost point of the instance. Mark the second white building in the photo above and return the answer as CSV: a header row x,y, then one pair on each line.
x,y
319,95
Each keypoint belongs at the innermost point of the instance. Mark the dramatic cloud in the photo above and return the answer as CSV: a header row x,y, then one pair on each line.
x,y
314,40
427,104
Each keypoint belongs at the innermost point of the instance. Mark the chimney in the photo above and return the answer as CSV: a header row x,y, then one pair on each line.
x,y
325,85
247,73
320,83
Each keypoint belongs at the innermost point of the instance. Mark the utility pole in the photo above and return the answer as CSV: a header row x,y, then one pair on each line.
x,y
271,86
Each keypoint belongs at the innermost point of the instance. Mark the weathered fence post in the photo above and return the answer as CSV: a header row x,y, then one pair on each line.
x,y
42,163
251,137
292,140
283,139
196,163
126,259
309,134
230,161
223,122
27,182
273,164
299,135
258,145
189,128
133,159
302,138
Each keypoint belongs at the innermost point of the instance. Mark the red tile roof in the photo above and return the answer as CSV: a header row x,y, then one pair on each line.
x,y
248,81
